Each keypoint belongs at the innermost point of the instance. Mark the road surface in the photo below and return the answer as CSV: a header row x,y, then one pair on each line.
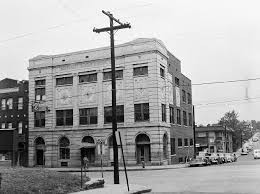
x,y
240,177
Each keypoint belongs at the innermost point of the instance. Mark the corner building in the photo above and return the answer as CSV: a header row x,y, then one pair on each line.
x,y
71,112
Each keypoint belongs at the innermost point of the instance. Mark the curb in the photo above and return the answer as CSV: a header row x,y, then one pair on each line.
x,y
134,169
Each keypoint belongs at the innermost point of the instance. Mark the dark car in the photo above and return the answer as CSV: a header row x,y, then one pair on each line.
x,y
198,161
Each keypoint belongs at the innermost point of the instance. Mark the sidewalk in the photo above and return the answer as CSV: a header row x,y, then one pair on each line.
x,y
121,168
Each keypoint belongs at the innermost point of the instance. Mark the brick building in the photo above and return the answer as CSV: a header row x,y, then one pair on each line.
x,y
213,139
71,112
14,116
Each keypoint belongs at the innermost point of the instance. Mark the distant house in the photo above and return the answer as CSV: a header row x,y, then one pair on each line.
x,y
213,139
14,121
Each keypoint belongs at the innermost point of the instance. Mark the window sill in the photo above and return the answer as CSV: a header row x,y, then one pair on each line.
x,y
179,147
88,125
136,76
64,85
82,83
109,80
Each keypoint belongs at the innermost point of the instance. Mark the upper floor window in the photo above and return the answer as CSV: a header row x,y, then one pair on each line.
x,y
108,75
162,72
179,142
3,126
64,81
9,103
184,118
142,112
171,114
10,125
183,96
190,119
40,90
3,104
64,117
189,98
39,119
179,116
191,142
173,151
164,112
88,116
20,103
186,142
141,71
119,114
20,127
177,82
88,78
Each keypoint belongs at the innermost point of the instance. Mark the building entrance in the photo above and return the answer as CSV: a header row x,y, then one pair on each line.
x,y
39,151
143,149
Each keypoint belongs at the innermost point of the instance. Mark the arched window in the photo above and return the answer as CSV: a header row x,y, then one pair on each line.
x,y
143,148
88,139
39,141
64,148
165,146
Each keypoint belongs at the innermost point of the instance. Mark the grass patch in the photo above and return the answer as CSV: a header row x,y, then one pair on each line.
x,y
38,180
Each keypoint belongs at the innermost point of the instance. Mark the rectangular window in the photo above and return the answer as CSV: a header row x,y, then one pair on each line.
x,y
162,72
20,103
163,112
20,128
10,125
39,119
184,118
189,98
186,142
3,104
9,103
64,117
190,119
119,114
40,90
173,151
64,81
108,75
88,116
191,142
183,96
141,71
177,82
3,126
179,142
141,112
64,153
88,78
179,116
171,114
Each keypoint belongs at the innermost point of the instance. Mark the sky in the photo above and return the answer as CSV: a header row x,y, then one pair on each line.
x,y
216,40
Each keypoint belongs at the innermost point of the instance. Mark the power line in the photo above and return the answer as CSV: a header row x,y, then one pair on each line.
x,y
223,82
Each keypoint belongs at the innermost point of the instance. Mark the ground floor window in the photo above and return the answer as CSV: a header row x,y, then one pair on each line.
x,y
64,148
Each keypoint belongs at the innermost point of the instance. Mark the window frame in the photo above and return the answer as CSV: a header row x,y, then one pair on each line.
x,y
67,119
66,80
40,117
184,118
191,140
107,75
120,115
177,82
64,150
180,145
190,119
20,128
162,72
20,103
143,71
183,96
40,86
163,109
91,77
178,116
186,142
9,104
3,104
90,113
173,146
143,114
189,98
171,110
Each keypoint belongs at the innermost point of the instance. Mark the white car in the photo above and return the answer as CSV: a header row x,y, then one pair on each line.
x,y
256,154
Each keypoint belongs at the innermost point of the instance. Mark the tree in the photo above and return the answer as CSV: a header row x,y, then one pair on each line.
x,y
230,120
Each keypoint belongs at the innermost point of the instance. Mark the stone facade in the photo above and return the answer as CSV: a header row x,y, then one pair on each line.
x,y
146,139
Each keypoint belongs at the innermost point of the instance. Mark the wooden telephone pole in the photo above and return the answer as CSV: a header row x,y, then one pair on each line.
x,y
114,119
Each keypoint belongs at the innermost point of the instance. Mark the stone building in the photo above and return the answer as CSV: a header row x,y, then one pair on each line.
x,y
14,121
215,138
71,106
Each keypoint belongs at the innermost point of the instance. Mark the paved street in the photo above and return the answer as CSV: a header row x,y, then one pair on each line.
x,y
240,177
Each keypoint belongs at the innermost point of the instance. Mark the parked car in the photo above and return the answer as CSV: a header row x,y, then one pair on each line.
x,y
214,158
230,157
256,154
222,157
198,161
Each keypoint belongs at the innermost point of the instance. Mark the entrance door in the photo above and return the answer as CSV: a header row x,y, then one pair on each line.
x,y
143,153
90,153
39,157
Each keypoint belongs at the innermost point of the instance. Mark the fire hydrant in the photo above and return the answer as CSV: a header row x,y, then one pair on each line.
x,y
143,164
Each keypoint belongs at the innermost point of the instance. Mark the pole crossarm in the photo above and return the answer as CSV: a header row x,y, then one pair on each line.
x,y
98,30
110,15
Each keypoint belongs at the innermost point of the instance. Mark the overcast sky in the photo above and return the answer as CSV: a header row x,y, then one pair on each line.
x,y
216,40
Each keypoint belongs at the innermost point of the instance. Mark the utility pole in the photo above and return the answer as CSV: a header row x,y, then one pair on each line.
x,y
225,151
194,135
112,47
